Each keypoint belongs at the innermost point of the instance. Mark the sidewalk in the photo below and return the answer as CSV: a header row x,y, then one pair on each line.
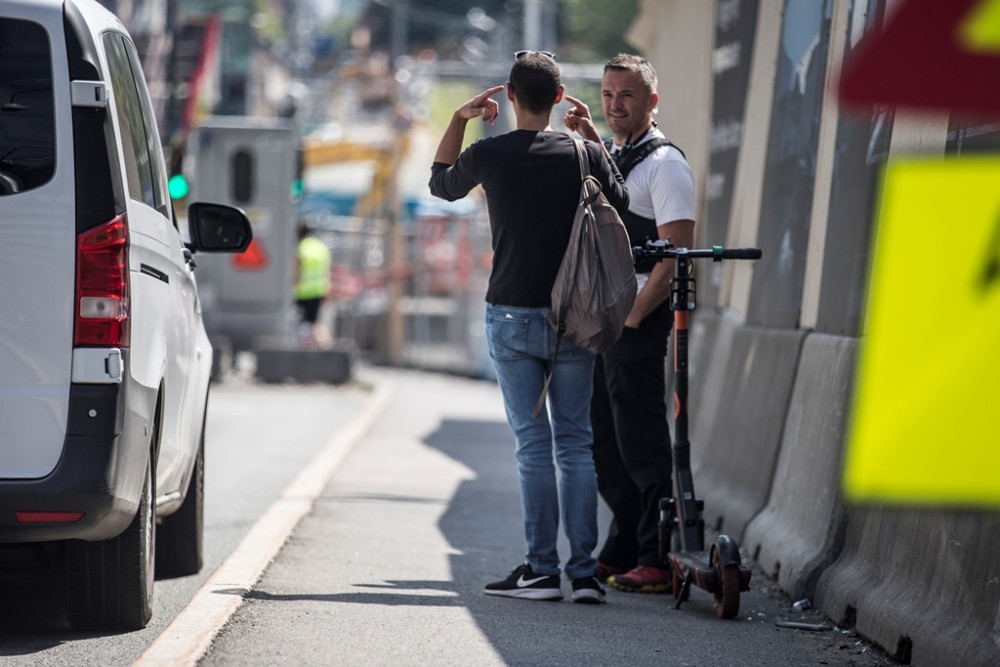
x,y
389,566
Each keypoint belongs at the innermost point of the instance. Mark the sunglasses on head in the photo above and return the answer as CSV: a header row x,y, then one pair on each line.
x,y
519,54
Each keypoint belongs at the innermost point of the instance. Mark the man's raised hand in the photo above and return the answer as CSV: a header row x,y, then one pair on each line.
x,y
481,106
578,119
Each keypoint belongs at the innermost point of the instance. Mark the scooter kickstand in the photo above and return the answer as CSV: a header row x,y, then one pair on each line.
x,y
682,595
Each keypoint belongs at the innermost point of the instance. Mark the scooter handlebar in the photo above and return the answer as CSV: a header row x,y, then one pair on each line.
x,y
664,249
741,253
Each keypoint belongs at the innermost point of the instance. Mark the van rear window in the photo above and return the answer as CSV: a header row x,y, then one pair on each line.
x,y
27,121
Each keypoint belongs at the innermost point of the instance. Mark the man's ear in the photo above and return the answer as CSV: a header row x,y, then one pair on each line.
x,y
654,100
510,92
559,94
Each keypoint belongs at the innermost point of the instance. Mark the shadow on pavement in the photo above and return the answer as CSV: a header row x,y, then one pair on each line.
x,y
483,525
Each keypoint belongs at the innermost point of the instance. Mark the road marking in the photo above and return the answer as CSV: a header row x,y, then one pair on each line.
x,y
190,634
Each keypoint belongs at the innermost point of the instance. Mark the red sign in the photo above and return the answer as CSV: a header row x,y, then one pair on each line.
x,y
934,54
253,258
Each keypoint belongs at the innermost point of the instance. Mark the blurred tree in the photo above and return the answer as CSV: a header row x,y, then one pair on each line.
x,y
594,30
269,24
590,30
438,24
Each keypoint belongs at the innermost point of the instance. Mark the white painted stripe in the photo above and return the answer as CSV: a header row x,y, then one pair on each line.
x,y
190,634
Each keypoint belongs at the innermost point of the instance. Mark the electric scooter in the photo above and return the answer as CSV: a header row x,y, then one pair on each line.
x,y
720,571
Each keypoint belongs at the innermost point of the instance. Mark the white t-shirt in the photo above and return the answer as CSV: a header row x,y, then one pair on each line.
x,y
661,187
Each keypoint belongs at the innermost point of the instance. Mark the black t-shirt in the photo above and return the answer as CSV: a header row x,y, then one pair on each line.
x,y
532,183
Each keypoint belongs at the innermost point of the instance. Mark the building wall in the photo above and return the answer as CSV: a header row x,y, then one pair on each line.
x,y
750,92
671,35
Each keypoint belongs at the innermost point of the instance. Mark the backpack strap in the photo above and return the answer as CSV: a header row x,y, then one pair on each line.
x,y
628,158
582,158
584,161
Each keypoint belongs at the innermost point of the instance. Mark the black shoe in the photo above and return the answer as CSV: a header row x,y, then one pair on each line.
x,y
588,590
523,582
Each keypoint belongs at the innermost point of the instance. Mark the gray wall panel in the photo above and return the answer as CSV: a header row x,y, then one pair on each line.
x,y
776,295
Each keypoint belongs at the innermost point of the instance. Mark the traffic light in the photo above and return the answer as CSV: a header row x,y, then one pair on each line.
x,y
298,188
177,183
178,186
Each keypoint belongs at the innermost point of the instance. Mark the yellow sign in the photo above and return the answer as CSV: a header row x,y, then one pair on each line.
x,y
925,427
980,32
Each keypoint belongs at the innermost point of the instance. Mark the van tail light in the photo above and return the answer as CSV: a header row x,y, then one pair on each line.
x,y
102,286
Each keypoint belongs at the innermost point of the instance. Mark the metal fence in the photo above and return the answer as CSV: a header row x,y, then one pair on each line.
x,y
434,291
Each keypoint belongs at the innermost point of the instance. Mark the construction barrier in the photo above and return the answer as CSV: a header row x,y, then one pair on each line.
x,y
923,584
801,528
734,459
769,413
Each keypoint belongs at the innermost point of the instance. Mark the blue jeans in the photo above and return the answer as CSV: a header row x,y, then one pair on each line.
x,y
521,342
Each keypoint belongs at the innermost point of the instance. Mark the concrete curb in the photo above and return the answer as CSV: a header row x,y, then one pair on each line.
x,y
800,530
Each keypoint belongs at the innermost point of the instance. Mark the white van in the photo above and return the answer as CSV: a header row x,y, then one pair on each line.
x,y
104,360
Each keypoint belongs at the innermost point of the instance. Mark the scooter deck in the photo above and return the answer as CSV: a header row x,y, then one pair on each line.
x,y
694,567
694,564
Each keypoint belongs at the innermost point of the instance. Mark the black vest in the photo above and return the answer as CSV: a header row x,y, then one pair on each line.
x,y
639,229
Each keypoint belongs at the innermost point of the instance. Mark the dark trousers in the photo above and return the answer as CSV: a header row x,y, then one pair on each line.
x,y
309,309
632,440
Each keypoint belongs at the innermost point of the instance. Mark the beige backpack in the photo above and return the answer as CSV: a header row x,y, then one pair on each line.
x,y
595,287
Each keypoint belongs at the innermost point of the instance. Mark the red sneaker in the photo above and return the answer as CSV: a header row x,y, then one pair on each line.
x,y
604,571
643,579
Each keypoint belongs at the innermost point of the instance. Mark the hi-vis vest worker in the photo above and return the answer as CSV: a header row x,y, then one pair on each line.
x,y
314,269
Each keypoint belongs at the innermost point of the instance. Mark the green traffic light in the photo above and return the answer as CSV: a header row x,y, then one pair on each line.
x,y
178,186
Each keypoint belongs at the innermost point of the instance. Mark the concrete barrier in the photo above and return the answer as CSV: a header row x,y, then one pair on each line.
x,y
922,584
740,422
767,430
800,531
711,338
281,363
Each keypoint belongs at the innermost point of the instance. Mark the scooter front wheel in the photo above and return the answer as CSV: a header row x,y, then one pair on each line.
x,y
727,586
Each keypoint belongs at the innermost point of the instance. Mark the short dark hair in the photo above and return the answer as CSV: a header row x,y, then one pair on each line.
x,y
633,63
534,79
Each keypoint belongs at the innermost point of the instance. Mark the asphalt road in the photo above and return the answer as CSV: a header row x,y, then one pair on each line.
x,y
258,438
387,565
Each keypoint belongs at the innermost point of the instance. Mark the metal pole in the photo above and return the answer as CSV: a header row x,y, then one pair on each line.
x,y
533,24
396,324
400,29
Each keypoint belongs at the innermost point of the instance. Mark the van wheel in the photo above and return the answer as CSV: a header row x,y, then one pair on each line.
x,y
110,583
179,536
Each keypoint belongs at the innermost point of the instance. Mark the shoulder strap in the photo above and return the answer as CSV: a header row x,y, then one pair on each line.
x,y
627,160
583,158
574,243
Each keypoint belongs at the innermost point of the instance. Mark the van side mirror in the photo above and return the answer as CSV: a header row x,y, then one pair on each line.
x,y
218,228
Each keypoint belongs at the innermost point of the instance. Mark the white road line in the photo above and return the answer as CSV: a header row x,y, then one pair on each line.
x,y
190,634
